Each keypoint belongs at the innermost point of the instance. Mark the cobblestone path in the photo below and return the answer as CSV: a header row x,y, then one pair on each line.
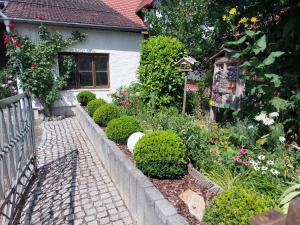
x,y
72,186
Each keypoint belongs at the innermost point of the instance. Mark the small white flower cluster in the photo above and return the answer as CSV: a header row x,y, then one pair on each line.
x,y
282,139
267,120
263,165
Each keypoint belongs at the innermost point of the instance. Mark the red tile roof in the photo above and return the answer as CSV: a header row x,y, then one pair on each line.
x,y
109,13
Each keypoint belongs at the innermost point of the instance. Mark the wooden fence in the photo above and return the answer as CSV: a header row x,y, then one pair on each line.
x,y
276,218
17,154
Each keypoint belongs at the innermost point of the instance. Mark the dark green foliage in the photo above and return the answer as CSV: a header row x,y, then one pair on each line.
x,y
121,128
8,84
162,82
236,206
94,104
84,97
106,113
161,154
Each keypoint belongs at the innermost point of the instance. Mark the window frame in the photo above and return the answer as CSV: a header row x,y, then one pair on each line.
x,y
77,75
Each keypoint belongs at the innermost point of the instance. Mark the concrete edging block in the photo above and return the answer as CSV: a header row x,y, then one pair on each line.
x,y
145,202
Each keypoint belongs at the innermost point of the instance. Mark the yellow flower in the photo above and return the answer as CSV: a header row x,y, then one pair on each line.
x,y
253,19
232,11
224,17
243,20
211,102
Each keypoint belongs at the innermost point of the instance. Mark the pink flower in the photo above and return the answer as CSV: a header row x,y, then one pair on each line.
x,y
122,94
236,158
40,17
246,163
7,40
244,151
122,102
17,43
33,65
11,25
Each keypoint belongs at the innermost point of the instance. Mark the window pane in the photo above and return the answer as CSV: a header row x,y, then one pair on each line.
x,y
85,63
101,63
101,78
67,62
86,78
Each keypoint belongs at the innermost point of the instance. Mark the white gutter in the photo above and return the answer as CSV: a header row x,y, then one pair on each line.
x,y
6,21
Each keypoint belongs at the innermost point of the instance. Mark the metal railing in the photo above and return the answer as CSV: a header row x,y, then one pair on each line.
x,y
17,154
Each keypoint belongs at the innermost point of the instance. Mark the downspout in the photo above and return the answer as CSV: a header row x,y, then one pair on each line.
x,y
6,21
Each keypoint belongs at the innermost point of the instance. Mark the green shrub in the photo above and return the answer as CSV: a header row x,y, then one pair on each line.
x,y
121,128
84,97
162,82
95,104
236,206
106,113
161,154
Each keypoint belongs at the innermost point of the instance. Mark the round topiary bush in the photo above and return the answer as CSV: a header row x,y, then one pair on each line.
x,y
94,104
121,128
106,113
236,206
161,154
84,97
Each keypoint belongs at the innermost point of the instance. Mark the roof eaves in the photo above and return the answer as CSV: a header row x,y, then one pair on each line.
x,y
80,25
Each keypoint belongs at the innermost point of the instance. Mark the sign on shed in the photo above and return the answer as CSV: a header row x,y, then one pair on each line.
x,y
227,88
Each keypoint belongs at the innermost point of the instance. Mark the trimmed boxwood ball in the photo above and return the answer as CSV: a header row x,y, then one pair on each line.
x,y
161,154
94,104
121,128
236,206
84,97
106,113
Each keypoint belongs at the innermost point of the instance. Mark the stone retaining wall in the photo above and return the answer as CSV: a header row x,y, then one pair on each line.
x,y
145,202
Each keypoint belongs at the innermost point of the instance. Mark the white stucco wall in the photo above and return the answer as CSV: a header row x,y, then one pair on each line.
x,y
124,55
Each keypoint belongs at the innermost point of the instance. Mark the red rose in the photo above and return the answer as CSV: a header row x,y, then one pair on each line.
x,y
11,25
33,65
17,43
40,17
7,40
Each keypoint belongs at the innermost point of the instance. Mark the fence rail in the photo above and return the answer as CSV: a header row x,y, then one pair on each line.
x,y
17,154
275,218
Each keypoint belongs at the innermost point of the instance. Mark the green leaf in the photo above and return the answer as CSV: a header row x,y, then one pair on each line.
x,y
279,103
289,197
250,33
260,45
274,78
270,59
238,42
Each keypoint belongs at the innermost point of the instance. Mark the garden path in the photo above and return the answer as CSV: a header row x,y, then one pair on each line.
x,y
72,186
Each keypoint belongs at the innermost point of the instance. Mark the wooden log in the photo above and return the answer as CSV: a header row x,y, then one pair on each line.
x,y
293,217
269,218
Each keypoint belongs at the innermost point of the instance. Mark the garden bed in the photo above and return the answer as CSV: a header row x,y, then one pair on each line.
x,y
171,189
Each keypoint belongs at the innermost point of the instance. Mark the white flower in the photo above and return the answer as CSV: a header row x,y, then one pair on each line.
x,y
256,168
264,168
263,172
273,114
250,127
270,162
268,121
262,116
282,139
261,157
275,172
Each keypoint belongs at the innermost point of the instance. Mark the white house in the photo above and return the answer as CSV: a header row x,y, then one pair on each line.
x,y
108,58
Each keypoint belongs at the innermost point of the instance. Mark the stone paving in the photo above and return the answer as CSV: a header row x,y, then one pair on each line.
x,y
72,186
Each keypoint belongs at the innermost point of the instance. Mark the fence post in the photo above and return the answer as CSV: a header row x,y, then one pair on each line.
x,y
293,216
269,218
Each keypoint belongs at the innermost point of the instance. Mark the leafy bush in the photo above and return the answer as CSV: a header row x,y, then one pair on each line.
x,y
106,113
236,206
290,194
121,128
8,84
84,97
161,154
161,80
95,104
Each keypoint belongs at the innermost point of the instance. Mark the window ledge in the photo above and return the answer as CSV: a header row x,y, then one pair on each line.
x,y
88,89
